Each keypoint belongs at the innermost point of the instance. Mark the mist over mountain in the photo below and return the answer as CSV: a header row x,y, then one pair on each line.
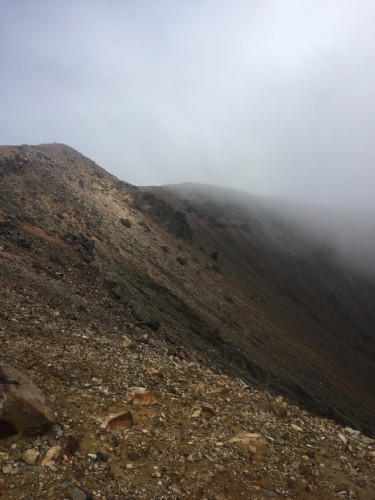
x,y
158,320
348,233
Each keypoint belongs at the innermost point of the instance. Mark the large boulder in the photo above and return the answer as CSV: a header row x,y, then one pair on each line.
x,y
23,407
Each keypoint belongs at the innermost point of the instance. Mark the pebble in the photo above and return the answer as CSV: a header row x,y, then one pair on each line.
x,y
30,456
80,494
7,469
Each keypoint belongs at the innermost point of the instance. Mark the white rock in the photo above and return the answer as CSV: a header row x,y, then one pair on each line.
x,y
30,456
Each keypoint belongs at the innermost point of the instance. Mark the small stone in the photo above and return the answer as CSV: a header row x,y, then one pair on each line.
x,y
271,494
69,445
141,396
248,438
182,261
133,455
118,422
343,438
7,469
80,494
296,427
30,456
152,325
126,222
351,431
219,390
3,457
4,484
113,441
127,343
207,409
64,485
53,455
155,372
100,457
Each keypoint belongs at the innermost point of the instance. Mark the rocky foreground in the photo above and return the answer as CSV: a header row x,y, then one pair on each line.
x,y
138,418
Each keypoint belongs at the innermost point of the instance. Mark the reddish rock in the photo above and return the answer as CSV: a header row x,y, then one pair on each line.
x,y
141,396
54,454
69,445
118,422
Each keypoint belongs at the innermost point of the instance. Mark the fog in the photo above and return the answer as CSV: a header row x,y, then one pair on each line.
x,y
271,97
343,236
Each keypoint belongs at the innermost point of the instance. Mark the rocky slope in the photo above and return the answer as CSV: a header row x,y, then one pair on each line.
x,y
106,289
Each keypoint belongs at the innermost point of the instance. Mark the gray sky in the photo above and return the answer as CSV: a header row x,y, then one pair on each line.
x,y
274,97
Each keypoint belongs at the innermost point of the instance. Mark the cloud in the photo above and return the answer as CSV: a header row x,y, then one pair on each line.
x,y
270,97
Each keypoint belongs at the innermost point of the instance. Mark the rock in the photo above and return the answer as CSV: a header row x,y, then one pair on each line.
x,y
182,261
271,494
133,455
98,456
8,226
141,396
118,422
246,439
113,441
207,410
155,372
30,456
215,255
4,484
296,427
152,325
127,343
219,390
7,469
22,405
69,445
145,226
121,293
136,312
3,457
54,454
343,438
43,253
351,431
80,494
126,222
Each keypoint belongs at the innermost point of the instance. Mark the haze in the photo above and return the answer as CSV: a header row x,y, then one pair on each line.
x,y
271,97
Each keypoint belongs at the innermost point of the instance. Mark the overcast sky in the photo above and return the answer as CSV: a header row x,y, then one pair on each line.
x,y
274,97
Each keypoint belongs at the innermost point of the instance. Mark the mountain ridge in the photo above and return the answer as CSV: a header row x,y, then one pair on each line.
x,y
188,276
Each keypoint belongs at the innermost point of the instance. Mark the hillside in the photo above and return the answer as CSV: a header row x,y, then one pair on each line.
x,y
242,325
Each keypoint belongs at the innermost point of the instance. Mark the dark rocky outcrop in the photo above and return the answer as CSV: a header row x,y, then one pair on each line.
x,y
174,220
